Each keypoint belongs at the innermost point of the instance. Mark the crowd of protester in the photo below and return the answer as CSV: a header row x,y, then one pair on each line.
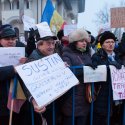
x,y
77,49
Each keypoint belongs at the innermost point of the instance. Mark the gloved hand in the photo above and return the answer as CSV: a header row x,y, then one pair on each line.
x,y
93,66
31,33
116,64
31,42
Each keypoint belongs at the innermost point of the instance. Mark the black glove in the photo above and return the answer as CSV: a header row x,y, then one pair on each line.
x,y
93,66
31,33
117,65
31,42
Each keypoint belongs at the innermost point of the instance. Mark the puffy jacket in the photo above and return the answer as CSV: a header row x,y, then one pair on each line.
x,y
82,107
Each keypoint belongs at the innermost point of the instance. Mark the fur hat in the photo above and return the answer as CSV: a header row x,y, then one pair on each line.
x,y
77,35
107,35
7,31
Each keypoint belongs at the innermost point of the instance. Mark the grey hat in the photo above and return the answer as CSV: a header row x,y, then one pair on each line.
x,y
77,35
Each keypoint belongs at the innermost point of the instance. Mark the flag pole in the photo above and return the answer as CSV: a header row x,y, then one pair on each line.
x,y
11,112
12,101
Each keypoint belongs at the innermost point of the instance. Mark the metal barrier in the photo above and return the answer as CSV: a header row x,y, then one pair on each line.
x,y
73,109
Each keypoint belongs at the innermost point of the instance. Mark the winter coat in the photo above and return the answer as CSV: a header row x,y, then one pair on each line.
x,y
82,107
35,55
6,74
101,103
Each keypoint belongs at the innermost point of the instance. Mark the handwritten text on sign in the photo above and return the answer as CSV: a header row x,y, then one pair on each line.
x,y
99,74
118,82
47,78
11,55
117,17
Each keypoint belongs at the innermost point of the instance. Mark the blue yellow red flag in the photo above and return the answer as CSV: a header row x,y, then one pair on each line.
x,y
52,17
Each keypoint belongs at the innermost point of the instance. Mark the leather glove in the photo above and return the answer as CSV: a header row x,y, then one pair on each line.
x,y
117,65
32,33
31,42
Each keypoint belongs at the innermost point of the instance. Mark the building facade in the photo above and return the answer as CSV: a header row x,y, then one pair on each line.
x,y
10,10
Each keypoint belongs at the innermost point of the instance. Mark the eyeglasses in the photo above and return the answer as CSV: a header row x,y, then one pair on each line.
x,y
108,42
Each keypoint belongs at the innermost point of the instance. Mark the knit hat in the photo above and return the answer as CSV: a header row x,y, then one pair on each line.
x,y
77,35
106,35
7,31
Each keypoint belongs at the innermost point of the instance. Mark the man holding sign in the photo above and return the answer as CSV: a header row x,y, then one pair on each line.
x,y
45,47
7,72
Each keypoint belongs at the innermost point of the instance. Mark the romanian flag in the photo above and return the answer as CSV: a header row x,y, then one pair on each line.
x,y
16,95
52,17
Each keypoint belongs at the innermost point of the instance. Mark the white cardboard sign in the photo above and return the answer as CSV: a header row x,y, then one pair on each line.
x,y
69,28
47,78
44,29
97,75
11,55
28,22
118,82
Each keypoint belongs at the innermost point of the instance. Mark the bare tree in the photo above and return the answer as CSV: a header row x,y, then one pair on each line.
x,y
102,15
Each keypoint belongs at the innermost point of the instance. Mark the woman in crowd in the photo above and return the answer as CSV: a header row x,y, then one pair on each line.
x,y
77,54
104,56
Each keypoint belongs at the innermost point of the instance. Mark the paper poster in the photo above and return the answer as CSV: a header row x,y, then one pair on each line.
x,y
44,29
118,82
117,17
97,75
47,78
11,55
28,22
69,28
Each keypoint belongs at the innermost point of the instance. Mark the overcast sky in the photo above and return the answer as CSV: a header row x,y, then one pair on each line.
x,y
91,8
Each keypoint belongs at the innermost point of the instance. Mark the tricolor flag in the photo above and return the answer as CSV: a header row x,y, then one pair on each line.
x,y
52,17
16,95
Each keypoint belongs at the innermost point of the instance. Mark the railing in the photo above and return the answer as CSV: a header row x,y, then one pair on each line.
x,y
73,109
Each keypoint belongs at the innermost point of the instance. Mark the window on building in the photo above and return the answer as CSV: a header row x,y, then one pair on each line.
x,y
27,4
7,5
71,8
17,4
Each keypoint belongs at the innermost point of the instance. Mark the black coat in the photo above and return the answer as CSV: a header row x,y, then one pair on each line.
x,y
6,74
101,103
82,107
